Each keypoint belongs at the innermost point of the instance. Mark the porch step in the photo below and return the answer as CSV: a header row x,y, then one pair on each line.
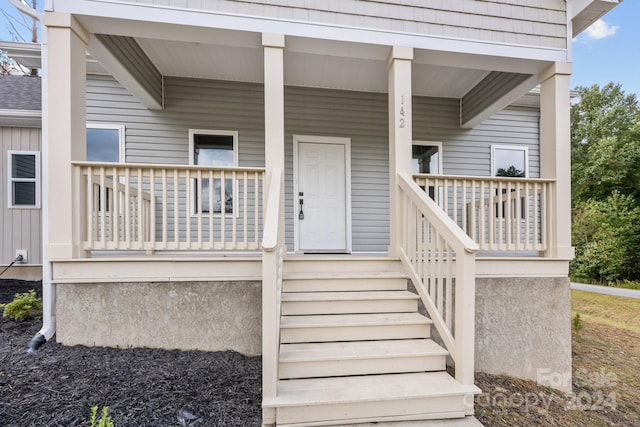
x,y
303,303
371,398
354,327
341,282
341,264
311,360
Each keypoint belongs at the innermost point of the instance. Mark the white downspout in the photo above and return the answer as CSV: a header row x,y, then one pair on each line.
x,y
48,289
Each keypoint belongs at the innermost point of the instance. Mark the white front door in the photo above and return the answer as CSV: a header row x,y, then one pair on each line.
x,y
321,195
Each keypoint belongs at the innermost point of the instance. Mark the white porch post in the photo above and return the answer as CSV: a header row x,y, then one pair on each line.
x,y
65,124
273,108
400,133
555,155
273,45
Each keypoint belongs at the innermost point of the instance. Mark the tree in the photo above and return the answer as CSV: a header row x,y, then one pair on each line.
x,y
511,171
605,146
605,130
18,25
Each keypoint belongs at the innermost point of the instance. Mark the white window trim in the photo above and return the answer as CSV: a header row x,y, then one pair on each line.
x,y
234,134
11,180
121,134
439,145
510,147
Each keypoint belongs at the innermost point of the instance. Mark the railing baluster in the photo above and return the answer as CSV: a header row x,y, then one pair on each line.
x,y
211,216
223,208
245,208
165,236
152,209
234,211
189,207
198,212
176,212
140,210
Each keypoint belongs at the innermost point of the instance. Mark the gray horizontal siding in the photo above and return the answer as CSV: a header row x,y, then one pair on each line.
x,y
468,151
162,136
19,228
525,22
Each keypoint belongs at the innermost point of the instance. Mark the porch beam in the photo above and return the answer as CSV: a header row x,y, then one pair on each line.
x,y
64,134
555,155
400,133
125,60
492,94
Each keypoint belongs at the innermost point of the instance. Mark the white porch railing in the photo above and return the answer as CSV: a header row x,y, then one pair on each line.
x,y
440,259
500,214
273,252
169,207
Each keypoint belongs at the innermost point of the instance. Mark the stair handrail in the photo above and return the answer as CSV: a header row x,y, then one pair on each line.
x,y
429,238
273,251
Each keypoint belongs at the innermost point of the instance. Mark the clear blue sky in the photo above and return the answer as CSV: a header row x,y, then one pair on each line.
x,y
615,56
606,52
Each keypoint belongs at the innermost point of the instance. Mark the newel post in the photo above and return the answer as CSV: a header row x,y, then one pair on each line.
x,y
400,134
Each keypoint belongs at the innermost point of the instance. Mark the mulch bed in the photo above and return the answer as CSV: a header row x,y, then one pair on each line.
x,y
141,387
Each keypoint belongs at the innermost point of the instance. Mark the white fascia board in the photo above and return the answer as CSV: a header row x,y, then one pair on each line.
x,y
86,9
504,101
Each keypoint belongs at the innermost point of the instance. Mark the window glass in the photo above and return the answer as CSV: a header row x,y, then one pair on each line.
x,y
24,182
213,149
425,159
103,144
509,162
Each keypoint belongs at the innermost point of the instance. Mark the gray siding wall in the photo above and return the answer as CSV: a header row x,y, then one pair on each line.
x,y
162,136
19,228
525,22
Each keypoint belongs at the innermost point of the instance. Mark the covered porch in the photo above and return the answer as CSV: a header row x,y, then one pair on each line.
x,y
366,100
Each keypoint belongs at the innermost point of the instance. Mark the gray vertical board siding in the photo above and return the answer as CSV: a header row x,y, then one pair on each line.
x,y
522,22
19,228
162,136
133,58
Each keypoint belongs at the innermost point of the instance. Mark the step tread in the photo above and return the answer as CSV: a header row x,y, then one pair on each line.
x,y
346,275
350,320
344,390
347,296
360,350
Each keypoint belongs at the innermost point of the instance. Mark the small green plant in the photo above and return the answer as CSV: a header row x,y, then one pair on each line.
x,y
577,323
105,419
24,306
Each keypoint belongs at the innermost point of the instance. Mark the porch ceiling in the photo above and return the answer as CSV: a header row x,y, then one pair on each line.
x,y
346,69
227,54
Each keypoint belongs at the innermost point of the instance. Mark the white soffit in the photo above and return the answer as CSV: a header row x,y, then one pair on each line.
x,y
204,61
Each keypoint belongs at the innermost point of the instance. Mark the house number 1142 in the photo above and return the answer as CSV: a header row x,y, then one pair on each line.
x,y
401,122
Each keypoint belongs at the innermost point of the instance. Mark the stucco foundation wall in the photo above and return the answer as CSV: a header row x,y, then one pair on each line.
x,y
523,329
209,316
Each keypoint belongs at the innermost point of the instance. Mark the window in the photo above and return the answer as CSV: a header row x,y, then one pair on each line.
x,y
509,161
105,143
213,148
426,157
24,179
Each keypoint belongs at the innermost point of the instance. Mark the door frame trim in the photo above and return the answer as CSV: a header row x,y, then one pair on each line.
x,y
316,139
